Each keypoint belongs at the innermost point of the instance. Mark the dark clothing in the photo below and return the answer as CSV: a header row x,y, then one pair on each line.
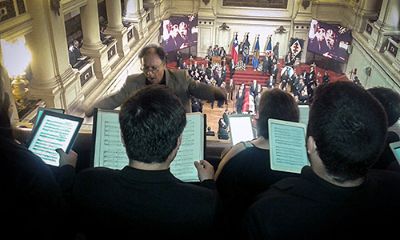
x,y
243,177
133,202
179,81
310,208
32,202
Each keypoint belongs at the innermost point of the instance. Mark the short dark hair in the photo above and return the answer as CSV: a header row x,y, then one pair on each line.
x,y
390,101
151,122
349,128
156,49
276,104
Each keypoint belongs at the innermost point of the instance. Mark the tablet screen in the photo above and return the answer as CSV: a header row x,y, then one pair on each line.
x,y
395,147
54,130
40,112
241,128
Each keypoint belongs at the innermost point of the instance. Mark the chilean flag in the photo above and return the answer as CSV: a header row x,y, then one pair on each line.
x,y
235,50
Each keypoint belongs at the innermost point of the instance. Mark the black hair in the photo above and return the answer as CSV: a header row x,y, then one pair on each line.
x,y
153,48
276,104
151,122
349,128
390,101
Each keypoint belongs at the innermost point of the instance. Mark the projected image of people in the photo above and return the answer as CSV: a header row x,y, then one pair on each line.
x,y
179,33
330,40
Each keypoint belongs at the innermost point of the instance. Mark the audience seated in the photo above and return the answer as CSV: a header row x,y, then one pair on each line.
x,y
390,101
33,204
245,170
144,198
338,196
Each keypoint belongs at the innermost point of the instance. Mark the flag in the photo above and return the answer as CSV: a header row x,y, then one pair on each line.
x,y
257,48
256,53
268,48
296,46
235,50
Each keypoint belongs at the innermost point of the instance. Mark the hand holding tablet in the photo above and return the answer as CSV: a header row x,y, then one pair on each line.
x,y
53,131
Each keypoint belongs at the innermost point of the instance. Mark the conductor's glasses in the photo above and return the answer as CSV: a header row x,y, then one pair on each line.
x,y
152,69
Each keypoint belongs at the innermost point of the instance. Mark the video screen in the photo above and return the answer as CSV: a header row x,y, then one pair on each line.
x,y
329,40
179,32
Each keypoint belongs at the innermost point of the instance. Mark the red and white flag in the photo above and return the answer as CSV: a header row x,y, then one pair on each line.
x,y
235,50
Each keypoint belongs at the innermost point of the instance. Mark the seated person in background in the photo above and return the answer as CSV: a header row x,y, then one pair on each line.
x,y
33,201
144,198
338,196
245,170
222,129
390,101
154,69
74,52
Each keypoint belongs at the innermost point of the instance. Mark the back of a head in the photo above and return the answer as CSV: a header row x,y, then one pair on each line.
x,y
276,104
151,121
390,101
349,128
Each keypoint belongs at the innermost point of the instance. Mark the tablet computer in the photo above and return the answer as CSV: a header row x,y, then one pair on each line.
x,y
54,130
40,112
108,149
287,141
241,128
304,110
395,147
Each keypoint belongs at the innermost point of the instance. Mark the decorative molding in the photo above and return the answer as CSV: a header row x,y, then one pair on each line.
x,y
280,30
55,6
305,4
224,27
206,2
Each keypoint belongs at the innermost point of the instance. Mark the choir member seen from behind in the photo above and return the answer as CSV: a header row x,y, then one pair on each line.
x,y
390,101
338,194
34,202
144,198
244,170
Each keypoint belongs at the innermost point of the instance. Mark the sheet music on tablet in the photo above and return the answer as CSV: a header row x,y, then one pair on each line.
x,y
191,149
108,148
40,112
110,152
54,130
241,128
287,141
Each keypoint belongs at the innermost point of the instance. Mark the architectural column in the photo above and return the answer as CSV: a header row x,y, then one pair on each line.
x,y
386,25
135,13
207,31
54,80
301,21
366,9
92,45
115,27
389,15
